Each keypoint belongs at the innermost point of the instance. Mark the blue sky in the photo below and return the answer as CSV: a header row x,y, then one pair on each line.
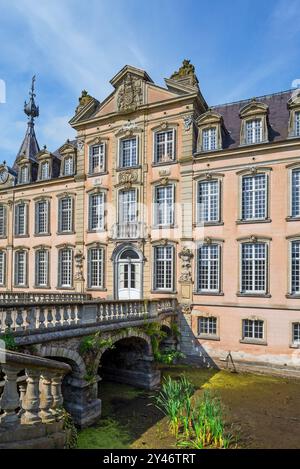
x,y
240,48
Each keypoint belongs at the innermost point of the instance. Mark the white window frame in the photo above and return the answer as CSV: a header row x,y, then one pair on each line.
x,y
209,261
96,267
255,291
99,159
292,274
3,221
166,158
253,327
164,260
98,211
2,268
296,342
210,138
68,169
69,261
168,209
212,322
43,165
132,163
17,219
254,192
46,215
45,264
253,131
131,214
24,176
200,214
292,172
17,264
297,123
70,209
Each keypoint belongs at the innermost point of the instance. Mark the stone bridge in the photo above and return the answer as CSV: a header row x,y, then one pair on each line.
x,y
66,344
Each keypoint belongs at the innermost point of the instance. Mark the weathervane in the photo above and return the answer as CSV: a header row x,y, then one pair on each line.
x,y
30,108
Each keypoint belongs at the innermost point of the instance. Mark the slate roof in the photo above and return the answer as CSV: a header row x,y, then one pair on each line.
x,y
278,118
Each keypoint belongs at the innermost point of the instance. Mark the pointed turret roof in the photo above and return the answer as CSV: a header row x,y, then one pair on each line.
x,y
30,146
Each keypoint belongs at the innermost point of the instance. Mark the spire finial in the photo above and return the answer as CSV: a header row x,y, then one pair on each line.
x,y
30,108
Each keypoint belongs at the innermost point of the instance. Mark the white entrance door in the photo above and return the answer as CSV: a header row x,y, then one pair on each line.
x,y
129,276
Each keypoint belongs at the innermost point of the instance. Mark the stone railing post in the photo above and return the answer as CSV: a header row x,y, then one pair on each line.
x,y
56,393
10,400
46,398
31,403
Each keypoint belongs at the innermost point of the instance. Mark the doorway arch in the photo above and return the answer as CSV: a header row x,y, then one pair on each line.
x,y
128,273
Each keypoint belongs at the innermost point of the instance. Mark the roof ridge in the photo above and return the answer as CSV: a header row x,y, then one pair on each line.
x,y
249,99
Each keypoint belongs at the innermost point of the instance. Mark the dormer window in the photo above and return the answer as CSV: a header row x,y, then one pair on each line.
x,y
24,175
45,170
254,125
68,169
164,146
297,124
209,139
97,159
253,131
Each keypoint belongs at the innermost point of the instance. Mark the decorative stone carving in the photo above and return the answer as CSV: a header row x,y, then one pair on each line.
x,y
186,74
187,121
186,267
186,308
80,144
79,258
84,99
127,178
130,94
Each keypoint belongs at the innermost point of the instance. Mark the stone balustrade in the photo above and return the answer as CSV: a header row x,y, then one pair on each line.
x,y
21,298
46,317
35,398
132,230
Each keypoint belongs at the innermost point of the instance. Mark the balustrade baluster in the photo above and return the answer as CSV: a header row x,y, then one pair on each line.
x,y
10,400
22,389
56,392
14,315
31,403
46,398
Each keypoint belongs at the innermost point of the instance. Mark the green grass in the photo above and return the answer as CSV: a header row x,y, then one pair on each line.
x,y
107,435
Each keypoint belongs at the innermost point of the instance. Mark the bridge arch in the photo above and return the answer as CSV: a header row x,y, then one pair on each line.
x,y
66,355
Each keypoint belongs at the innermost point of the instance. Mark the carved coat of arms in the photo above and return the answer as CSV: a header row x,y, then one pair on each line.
x,y
130,94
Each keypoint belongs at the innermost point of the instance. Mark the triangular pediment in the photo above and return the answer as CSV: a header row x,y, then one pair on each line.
x,y
131,71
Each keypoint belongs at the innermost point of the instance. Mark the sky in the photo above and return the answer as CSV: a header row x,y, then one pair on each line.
x,y
240,48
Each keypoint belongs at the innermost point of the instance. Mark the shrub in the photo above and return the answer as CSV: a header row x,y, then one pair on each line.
x,y
9,340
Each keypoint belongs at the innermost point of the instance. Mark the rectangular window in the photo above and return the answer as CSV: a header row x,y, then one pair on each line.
x,y
65,268
42,217
2,268
253,329
164,205
296,333
97,158
20,268
254,268
65,215
295,193
45,170
68,166
96,212
209,268
2,221
21,219
163,267
254,197
209,139
164,146
297,124
128,206
95,268
24,175
128,152
254,131
207,326
295,267
208,201
41,268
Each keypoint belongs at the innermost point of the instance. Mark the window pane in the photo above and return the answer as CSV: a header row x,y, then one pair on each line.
x,y
296,193
208,201
296,333
2,220
209,139
163,266
254,268
42,217
65,267
45,170
42,268
253,329
164,146
20,266
127,206
2,267
97,163
295,265
65,214
68,166
164,205
207,326
254,131
254,189
297,124
128,150
97,212
208,267
95,267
